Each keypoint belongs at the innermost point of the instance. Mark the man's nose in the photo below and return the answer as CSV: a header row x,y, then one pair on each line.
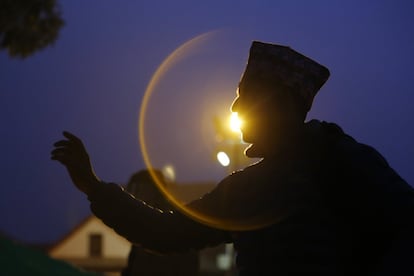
x,y
235,105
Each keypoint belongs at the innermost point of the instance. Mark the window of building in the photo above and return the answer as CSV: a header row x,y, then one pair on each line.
x,y
95,245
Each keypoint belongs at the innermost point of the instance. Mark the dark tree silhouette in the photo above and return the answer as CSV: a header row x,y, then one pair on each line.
x,y
27,26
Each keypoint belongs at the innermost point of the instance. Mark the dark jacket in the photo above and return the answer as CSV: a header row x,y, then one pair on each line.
x,y
327,206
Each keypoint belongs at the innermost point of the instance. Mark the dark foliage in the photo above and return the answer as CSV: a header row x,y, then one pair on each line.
x,y
27,26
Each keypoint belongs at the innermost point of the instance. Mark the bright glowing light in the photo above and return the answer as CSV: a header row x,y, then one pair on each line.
x,y
223,158
235,122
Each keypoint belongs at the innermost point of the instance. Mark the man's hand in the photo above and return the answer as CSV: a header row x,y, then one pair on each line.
x,y
72,154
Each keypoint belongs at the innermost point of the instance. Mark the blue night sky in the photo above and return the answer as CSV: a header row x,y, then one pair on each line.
x,y
92,81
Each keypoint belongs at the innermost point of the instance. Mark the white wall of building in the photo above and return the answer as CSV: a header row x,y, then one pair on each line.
x,y
77,244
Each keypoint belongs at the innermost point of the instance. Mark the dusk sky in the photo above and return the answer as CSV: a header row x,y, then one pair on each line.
x,y
92,82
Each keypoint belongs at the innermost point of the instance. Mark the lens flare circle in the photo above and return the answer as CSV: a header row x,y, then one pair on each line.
x,y
163,124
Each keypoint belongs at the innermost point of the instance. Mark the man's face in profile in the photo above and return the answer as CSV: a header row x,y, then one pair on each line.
x,y
264,111
253,111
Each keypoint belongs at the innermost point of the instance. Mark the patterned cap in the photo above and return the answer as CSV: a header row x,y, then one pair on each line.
x,y
278,64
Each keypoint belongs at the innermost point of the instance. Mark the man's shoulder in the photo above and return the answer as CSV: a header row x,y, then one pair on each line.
x,y
342,145
243,175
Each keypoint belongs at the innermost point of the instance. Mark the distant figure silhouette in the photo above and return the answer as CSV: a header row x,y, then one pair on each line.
x,y
144,263
337,207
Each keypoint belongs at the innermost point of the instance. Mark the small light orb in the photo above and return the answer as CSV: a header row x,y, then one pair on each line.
x,y
223,158
169,173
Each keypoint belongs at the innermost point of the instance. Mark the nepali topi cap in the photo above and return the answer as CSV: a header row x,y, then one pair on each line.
x,y
274,65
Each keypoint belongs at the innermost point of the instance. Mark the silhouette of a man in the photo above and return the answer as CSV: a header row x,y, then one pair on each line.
x,y
332,206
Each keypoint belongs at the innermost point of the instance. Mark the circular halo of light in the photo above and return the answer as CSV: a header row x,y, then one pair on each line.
x,y
167,65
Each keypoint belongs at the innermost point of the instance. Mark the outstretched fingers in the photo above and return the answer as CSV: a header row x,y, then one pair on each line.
x,y
62,143
73,155
66,150
71,137
62,151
